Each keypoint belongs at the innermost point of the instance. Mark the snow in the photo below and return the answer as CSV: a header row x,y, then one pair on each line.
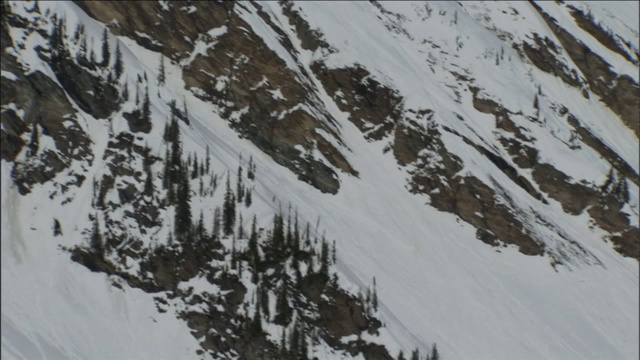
x,y
9,75
436,282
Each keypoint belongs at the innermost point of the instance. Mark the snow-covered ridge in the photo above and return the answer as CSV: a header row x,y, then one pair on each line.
x,y
437,282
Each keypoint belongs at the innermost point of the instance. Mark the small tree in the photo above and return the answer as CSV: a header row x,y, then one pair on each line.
x,y
161,71
96,237
57,230
229,209
106,53
34,143
216,222
434,352
117,66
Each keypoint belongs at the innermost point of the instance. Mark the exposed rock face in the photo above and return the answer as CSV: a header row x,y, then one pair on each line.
x,y
619,93
266,100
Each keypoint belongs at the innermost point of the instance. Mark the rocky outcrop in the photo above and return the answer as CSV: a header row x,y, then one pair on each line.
x,y
618,92
264,99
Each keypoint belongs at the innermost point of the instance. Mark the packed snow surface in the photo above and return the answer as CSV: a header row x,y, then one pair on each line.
x,y
436,282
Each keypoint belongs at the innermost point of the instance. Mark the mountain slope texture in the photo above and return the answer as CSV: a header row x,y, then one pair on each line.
x,y
320,180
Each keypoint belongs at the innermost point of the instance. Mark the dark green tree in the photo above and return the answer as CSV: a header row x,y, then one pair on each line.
x,y
117,66
161,71
283,309
106,52
34,142
148,183
216,222
183,218
434,352
324,259
228,210
97,246
415,355
57,229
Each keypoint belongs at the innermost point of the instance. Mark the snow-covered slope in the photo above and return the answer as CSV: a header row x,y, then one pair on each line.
x,y
554,280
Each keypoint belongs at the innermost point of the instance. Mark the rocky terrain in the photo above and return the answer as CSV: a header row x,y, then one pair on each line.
x,y
294,180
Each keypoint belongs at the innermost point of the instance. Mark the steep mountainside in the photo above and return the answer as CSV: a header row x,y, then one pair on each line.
x,y
263,180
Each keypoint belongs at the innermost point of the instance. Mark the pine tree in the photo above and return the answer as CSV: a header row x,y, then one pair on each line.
x,y
374,299
264,300
434,352
283,310
401,355
278,239
117,66
207,161
239,189
195,172
228,210
240,228
294,342
253,240
106,53
216,222
146,107
148,183
247,198
256,323
34,143
415,355
334,257
183,209
161,71
200,229
283,343
97,245
57,229
324,259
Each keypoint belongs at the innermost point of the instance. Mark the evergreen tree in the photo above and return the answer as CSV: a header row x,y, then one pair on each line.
x,y
148,183
334,257
434,352
97,245
183,209
216,222
415,355
278,239
296,235
117,66
250,173
146,107
283,343
57,229
207,161
106,53
195,172
125,92
240,228
239,189
82,50
253,240
161,71
324,259
200,229
283,310
229,210
247,198
294,342
374,299
264,299
401,355
34,143
256,323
